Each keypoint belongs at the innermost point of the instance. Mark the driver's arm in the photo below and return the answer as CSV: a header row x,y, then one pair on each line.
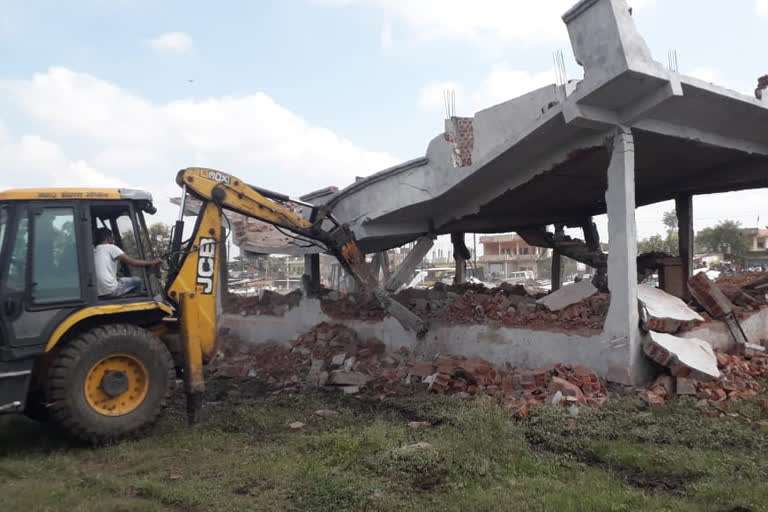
x,y
124,258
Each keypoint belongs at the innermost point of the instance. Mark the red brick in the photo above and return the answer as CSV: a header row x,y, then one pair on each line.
x,y
422,370
567,389
666,383
376,346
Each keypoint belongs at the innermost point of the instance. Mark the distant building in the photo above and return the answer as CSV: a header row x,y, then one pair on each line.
x,y
758,248
504,256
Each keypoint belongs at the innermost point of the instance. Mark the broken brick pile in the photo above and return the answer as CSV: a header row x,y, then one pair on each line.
x,y
511,311
507,305
333,356
762,85
268,303
739,379
352,307
744,290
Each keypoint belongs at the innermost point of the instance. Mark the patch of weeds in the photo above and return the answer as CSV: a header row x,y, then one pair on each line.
x,y
319,488
347,445
435,409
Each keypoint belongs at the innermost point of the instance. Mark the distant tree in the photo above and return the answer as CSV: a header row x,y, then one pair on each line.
x,y
654,243
657,243
670,220
160,237
159,240
727,237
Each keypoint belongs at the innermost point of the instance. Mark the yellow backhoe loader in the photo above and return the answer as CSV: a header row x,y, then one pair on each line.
x,y
103,367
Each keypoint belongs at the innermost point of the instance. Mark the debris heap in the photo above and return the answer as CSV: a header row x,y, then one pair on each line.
x,y
739,379
268,303
507,305
333,356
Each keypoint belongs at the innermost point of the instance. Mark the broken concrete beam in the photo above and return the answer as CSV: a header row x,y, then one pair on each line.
x,y
685,357
666,313
409,264
568,295
709,296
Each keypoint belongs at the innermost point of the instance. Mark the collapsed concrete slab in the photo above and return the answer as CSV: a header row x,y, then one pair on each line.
x,y
685,357
630,133
665,312
568,295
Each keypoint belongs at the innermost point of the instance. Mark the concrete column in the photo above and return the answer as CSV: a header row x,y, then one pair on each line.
x,y
557,277
460,255
557,261
624,338
385,267
376,266
684,209
312,271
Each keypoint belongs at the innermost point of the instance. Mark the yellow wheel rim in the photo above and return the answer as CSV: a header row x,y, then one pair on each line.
x,y
128,371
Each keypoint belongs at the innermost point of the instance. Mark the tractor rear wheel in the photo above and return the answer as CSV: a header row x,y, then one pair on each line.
x,y
110,383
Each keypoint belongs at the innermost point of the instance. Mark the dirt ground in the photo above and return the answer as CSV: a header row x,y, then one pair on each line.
x,y
466,455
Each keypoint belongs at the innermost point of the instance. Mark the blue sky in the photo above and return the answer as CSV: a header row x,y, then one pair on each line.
x,y
298,94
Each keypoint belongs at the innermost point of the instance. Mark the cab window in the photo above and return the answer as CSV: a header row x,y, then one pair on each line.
x,y
55,271
17,268
3,223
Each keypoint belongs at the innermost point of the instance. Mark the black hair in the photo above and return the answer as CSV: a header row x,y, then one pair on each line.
x,y
101,236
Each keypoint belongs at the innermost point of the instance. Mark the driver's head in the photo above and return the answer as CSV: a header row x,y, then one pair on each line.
x,y
103,236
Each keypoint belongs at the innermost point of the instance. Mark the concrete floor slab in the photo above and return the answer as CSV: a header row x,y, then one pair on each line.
x,y
666,313
685,357
568,295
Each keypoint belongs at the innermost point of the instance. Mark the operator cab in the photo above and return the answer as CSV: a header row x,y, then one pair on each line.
x,y
130,234
46,258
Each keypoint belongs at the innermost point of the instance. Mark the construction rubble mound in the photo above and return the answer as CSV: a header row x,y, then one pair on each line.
x,y
506,305
332,356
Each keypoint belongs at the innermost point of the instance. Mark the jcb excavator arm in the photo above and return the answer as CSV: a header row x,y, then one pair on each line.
x,y
193,281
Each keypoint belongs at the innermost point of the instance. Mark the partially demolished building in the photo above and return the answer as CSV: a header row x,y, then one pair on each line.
x,y
630,133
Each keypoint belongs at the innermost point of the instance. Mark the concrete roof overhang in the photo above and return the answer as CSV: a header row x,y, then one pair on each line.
x,y
542,158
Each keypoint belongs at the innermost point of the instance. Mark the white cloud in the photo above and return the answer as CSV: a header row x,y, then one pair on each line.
x,y
172,42
96,134
502,83
508,21
386,35
761,7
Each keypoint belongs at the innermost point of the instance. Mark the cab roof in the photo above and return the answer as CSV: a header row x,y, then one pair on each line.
x,y
92,194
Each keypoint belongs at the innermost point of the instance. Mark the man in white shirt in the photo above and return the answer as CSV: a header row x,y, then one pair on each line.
x,y
105,256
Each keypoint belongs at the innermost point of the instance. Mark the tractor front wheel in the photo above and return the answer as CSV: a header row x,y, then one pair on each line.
x,y
110,383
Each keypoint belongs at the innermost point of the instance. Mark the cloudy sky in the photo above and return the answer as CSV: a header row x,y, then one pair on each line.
x,y
295,95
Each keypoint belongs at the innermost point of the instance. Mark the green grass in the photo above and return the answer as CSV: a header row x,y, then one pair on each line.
x,y
623,457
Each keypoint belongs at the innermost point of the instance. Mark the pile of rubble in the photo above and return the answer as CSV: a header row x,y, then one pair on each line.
x,y
746,291
507,305
268,303
352,306
332,356
738,379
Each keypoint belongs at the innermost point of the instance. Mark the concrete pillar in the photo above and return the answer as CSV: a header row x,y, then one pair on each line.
x,y
311,273
557,261
628,365
385,267
557,270
460,255
684,209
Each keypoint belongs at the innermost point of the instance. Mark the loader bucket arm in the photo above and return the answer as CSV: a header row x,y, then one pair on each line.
x,y
193,282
